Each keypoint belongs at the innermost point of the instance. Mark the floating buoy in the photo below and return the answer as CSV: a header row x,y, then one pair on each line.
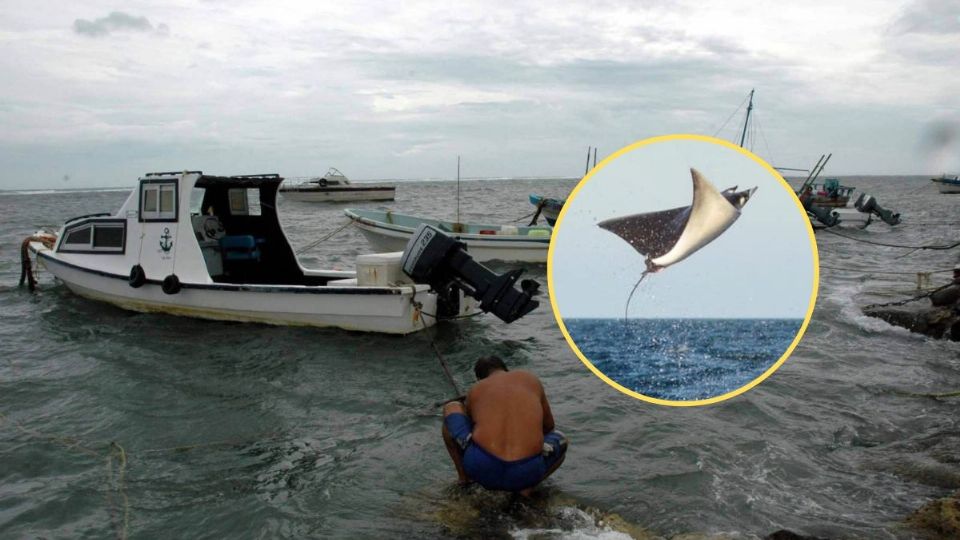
x,y
137,277
171,284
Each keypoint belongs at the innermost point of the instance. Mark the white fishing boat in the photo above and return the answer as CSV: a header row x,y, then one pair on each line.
x,y
947,183
386,230
212,247
826,205
334,186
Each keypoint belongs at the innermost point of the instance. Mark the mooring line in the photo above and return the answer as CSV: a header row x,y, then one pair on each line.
x,y
312,245
934,395
114,451
116,459
418,313
865,271
121,523
912,299
884,244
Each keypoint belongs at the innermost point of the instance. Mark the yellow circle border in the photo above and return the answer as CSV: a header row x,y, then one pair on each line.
x,y
813,293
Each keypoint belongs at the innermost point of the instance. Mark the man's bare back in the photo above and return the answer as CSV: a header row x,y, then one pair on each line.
x,y
503,437
510,414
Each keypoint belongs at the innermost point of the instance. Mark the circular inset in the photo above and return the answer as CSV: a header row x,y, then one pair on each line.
x,y
683,270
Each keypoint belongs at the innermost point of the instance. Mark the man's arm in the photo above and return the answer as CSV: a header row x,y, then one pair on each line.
x,y
547,414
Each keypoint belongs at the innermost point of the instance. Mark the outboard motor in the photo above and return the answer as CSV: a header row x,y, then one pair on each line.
x,y
433,257
866,203
824,215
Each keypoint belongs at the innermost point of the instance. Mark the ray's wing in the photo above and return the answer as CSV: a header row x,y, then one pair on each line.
x,y
710,215
652,234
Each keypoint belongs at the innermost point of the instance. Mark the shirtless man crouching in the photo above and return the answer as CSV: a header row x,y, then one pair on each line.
x,y
502,436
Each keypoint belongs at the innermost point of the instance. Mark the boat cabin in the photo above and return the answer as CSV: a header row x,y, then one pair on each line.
x,y
203,228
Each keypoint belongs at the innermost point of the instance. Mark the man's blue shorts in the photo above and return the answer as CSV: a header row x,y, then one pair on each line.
x,y
494,473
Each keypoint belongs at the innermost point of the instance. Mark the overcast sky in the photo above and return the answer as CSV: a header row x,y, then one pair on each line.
x,y
761,267
95,93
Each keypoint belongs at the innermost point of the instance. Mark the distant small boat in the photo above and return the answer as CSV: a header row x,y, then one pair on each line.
x,y
389,231
947,183
334,186
550,208
831,194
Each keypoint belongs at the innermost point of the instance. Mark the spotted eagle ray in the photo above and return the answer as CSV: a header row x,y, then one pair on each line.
x,y
670,236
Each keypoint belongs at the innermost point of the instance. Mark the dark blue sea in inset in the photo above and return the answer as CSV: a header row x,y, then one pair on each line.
x,y
683,359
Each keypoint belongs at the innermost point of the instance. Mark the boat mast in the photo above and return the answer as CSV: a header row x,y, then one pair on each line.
x,y
587,169
458,189
746,121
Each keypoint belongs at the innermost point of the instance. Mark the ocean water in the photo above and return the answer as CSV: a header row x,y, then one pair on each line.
x,y
241,431
683,359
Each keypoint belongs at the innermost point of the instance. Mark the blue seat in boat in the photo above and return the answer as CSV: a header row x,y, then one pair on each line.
x,y
239,248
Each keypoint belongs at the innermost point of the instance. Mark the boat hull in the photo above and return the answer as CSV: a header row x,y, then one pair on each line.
x,y
387,310
947,187
512,248
340,194
831,203
849,217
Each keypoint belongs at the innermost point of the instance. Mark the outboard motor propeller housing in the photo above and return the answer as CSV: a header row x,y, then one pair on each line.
x,y
435,258
866,203
824,215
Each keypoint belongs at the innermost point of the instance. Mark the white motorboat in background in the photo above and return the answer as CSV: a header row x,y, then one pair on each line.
x,y
947,183
334,186
187,243
389,231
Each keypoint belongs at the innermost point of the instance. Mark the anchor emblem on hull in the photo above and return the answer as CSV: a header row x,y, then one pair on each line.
x,y
165,243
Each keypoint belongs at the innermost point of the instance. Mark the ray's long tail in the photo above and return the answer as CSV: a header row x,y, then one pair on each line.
x,y
626,308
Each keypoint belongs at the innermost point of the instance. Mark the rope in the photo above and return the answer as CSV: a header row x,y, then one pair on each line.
x,y
855,239
536,215
312,245
121,523
115,483
116,467
730,117
935,395
26,272
626,309
908,300
885,272
418,307
519,219
227,442
26,268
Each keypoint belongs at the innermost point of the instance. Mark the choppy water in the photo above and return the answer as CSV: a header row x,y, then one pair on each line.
x,y
683,359
235,430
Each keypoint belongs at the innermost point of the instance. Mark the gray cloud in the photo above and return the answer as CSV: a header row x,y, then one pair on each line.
x,y
928,17
117,21
926,32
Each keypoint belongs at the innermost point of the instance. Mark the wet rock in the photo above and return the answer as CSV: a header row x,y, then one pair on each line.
x,y
946,297
937,322
790,535
938,519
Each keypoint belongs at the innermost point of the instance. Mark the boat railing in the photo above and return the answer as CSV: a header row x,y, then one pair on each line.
x,y
172,173
267,175
78,218
840,190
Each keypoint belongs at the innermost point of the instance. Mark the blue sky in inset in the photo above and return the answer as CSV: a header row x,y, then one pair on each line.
x,y
96,93
761,267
